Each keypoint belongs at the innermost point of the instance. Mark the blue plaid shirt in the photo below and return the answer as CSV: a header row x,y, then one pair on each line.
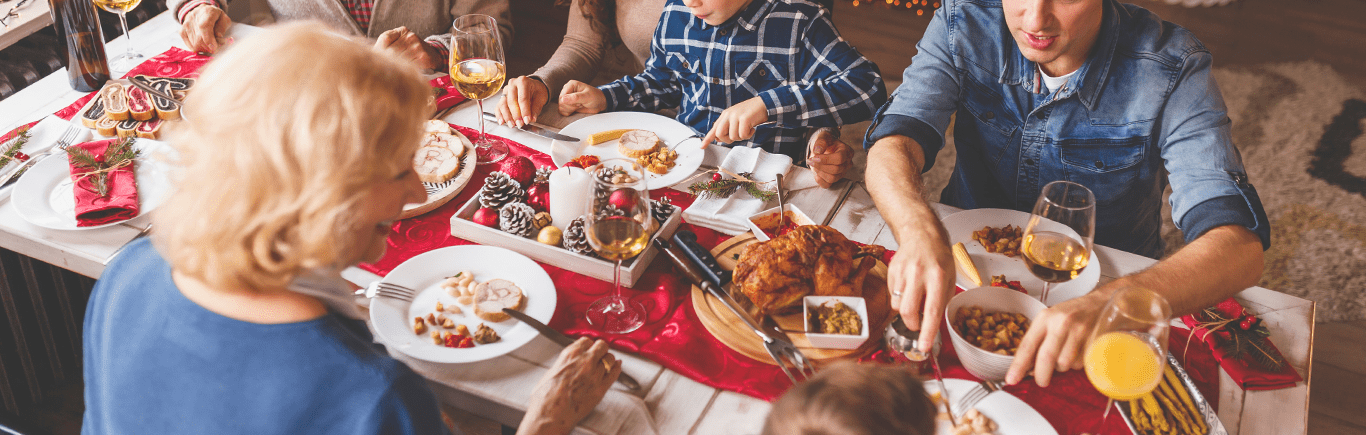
x,y
784,51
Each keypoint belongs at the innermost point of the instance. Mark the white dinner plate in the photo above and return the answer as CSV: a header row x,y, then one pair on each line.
x,y
670,132
1012,415
393,319
960,227
44,195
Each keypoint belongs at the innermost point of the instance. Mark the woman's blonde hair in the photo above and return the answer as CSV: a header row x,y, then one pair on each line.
x,y
854,399
285,133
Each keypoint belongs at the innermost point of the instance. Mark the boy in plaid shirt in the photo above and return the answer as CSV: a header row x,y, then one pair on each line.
x,y
730,65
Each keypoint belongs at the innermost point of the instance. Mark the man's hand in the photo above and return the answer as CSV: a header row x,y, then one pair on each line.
x,y
203,28
828,157
737,123
571,389
922,281
579,97
522,100
407,45
1056,339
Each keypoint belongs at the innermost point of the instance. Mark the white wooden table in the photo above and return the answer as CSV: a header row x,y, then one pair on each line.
x,y
669,403
32,17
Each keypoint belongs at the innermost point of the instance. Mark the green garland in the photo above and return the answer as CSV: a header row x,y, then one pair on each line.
x,y
728,186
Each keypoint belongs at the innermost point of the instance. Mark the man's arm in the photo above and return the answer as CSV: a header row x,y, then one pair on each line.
x,y
1218,264
921,274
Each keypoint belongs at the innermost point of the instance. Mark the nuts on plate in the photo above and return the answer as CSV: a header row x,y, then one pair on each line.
x,y
659,161
1004,240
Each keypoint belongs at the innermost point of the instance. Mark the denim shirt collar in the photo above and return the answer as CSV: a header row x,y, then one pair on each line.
x,y
1018,70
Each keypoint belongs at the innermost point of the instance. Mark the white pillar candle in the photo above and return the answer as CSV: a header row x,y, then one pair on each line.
x,y
568,195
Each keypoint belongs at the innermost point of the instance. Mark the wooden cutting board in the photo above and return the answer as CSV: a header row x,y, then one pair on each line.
x,y
732,332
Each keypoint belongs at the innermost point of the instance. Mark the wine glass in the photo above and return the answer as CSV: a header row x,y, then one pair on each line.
x,y
1127,352
618,227
129,59
1057,241
477,69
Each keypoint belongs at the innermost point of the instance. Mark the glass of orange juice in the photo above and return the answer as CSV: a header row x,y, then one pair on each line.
x,y
1127,351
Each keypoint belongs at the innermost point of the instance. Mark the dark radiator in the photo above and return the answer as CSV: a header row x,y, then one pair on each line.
x,y
42,308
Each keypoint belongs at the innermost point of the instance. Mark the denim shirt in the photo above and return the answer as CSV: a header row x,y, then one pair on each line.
x,y
1142,111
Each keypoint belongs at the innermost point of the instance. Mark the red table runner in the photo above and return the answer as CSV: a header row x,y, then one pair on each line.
x,y
674,337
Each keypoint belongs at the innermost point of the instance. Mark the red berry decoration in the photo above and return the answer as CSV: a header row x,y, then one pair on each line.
x,y
716,176
487,217
538,197
624,199
519,168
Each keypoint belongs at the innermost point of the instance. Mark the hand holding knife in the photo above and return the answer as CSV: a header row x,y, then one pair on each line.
x,y
536,129
564,341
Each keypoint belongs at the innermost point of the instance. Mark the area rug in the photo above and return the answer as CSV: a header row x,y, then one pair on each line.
x,y
1299,127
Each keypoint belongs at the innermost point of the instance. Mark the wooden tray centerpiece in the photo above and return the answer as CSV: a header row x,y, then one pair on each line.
x,y
728,328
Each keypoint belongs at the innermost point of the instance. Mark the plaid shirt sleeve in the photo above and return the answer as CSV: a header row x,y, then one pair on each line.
x,y
653,89
838,86
442,50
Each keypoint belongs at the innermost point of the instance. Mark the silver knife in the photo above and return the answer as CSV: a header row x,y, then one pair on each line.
x,y
564,340
536,129
150,90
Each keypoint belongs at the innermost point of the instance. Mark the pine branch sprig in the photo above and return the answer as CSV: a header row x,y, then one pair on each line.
x,y
116,155
724,187
7,155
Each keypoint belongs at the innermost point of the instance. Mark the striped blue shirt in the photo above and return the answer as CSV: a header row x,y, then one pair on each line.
x,y
786,52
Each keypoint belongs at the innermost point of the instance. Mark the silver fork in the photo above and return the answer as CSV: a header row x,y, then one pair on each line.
x,y
978,392
68,136
789,359
388,290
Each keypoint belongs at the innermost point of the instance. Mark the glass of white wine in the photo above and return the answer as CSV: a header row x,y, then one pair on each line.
x,y
1057,241
618,227
478,70
130,58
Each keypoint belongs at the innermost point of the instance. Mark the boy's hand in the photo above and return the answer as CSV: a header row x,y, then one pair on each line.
x,y
737,123
522,101
828,157
407,45
579,97
204,28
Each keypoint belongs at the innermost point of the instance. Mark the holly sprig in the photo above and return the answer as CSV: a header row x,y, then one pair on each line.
x,y
115,156
1243,337
12,150
721,187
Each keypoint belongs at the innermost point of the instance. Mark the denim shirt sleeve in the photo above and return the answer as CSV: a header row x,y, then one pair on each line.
x,y
1210,187
923,105
838,85
654,89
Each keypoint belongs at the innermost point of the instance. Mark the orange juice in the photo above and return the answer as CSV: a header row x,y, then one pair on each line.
x,y
1123,365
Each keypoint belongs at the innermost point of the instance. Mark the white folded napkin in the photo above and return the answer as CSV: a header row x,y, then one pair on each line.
x,y
729,215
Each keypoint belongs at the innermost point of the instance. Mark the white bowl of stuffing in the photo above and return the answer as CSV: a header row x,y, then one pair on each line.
x,y
986,325
835,322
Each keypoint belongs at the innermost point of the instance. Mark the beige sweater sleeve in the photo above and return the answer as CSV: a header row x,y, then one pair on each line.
x,y
577,57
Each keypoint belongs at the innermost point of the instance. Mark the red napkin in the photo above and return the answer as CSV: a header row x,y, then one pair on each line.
x,y
1250,376
122,202
450,97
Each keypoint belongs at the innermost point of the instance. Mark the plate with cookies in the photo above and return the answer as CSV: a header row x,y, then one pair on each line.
x,y
456,316
669,150
444,163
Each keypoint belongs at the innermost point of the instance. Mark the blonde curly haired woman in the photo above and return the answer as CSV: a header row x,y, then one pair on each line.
x,y
294,162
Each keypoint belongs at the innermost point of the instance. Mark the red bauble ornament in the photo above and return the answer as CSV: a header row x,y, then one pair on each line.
x,y
519,168
624,200
716,176
538,197
487,217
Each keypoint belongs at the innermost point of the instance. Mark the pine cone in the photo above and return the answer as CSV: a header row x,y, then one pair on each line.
x,y
576,240
517,218
604,176
608,211
499,190
542,175
661,209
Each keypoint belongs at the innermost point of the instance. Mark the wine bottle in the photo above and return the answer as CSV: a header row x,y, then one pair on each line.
x,y
78,26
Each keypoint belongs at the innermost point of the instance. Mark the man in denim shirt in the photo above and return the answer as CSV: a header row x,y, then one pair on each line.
x,y
1092,91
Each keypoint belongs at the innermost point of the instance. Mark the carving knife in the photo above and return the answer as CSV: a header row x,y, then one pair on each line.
x,y
536,129
564,340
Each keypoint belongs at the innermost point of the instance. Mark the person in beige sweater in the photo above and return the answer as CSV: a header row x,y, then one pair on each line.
x,y
418,30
